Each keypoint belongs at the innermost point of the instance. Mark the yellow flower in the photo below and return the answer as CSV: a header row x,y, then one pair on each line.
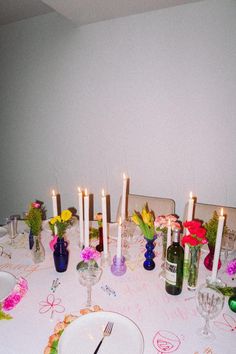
x,y
55,219
66,215
135,219
146,216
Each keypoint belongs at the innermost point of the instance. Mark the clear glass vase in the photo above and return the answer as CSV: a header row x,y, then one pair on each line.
x,y
194,253
38,252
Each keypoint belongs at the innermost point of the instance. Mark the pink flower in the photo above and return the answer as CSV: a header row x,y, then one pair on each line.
x,y
89,253
231,267
36,205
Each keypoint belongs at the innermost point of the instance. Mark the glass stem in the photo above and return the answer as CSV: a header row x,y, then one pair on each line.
x,y
89,291
206,328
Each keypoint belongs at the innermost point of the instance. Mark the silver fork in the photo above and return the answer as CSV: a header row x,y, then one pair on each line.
x,y
107,331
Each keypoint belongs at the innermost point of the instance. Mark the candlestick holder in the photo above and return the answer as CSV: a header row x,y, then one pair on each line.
x,y
118,266
218,283
99,247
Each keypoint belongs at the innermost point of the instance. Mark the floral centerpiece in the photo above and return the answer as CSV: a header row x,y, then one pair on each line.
x,y
89,258
34,221
58,225
61,222
162,222
145,221
211,227
34,218
195,238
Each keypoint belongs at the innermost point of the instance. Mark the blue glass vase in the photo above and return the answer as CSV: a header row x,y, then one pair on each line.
x,y
61,255
149,263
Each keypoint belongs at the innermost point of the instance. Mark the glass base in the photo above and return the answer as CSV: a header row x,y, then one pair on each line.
x,y
118,266
218,283
208,335
106,260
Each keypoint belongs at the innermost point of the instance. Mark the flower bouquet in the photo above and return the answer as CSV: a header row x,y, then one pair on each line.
x,y
34,221
145,221
60,223
195,239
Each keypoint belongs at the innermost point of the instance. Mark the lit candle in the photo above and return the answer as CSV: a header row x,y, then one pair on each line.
x,y
190,207
104,222
81,217
218,245
124,198
86,218
168,234
54,203
118,251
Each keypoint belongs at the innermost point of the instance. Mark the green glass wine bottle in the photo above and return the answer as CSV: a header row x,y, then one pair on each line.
x,y
174,266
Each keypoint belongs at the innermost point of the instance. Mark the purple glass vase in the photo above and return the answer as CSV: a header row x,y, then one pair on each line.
x,y
208,261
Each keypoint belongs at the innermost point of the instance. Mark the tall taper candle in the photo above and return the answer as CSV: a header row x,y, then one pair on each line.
x,y
190,207
124,198
118,251
168,234
54,203
186,247
218,246
86,218
81,217
104,223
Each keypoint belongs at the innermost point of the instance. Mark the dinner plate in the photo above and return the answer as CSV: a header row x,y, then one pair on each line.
x,y
7,283
3,231
83,335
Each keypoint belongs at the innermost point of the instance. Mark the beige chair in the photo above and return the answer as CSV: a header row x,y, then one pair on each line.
x,y
160,206
204,212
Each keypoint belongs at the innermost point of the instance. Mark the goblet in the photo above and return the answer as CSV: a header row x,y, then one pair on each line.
x,y
11,223
88,277
227,245
129,236
210,302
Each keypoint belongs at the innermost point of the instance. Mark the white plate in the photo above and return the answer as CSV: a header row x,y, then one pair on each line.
x,y
3,231
7,283
83,335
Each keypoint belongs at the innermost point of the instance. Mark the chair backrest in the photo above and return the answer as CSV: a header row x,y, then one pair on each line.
x,y
205,212
160,206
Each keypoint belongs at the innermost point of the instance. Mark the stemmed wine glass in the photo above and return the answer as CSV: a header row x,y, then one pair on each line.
x,y
88,277
210,302
129,228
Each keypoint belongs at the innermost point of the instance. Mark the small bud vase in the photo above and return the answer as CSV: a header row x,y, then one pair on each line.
x,y
194,253
208,261
38,252
149,263
61,255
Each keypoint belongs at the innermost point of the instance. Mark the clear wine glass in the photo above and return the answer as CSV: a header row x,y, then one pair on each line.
x,y
130,236
210,302
11,223
88,277
227,245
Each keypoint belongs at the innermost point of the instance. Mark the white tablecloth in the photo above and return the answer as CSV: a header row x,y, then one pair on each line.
x,y
140,295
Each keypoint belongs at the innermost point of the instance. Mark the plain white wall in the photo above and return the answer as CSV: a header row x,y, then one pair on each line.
x,y
152,95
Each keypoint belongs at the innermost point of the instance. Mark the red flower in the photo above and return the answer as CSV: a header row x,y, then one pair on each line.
x,y
197,233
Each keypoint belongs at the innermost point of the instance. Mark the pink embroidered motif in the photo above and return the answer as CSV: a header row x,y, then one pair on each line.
x,y
52,304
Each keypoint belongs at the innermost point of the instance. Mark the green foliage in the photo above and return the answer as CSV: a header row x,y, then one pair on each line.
x,y
34,220
211,226
3,315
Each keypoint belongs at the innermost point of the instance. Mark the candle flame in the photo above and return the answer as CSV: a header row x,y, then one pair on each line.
x,y
86,192
222,212
191,195
103,193
53,193
119,221
79,189
169,222
124,176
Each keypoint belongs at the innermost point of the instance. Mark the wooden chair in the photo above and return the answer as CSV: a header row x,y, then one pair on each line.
x,y
160,206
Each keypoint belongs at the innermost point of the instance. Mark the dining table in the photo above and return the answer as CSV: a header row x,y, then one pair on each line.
x,y
147,315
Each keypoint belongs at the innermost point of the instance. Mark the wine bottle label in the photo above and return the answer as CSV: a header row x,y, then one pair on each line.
x,y
171,272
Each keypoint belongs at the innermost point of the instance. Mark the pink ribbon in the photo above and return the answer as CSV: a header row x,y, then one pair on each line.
x,y
52,304
53,242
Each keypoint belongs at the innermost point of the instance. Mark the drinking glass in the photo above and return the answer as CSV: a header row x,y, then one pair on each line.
x,y
227,245
11,223
89,277
210,302
130,236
